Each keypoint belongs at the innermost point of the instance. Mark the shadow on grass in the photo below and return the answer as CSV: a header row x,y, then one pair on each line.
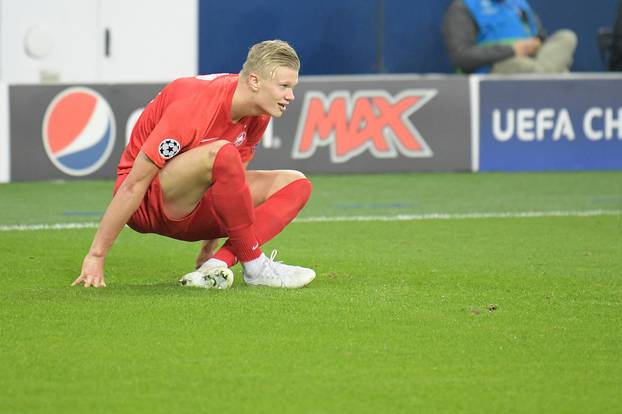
x,y
165,289
239,289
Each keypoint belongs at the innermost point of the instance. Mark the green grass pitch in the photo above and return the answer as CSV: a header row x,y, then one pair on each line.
x,y
489,314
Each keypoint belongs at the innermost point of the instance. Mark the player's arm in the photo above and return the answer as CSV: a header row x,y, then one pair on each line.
x,y
207,250
124,203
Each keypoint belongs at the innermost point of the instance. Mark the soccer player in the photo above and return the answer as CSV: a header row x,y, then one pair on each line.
x,y
183,174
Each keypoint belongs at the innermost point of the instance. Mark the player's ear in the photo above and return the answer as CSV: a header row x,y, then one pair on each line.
x,y
254,82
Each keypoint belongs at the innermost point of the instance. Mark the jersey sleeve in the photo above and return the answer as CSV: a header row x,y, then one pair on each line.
x,y
254,135
172,134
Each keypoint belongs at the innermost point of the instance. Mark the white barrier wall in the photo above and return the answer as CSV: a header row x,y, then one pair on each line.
x,y
97,40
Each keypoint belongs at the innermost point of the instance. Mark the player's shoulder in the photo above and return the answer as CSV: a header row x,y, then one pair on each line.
x,y
217,78
201,84
199,91
215,89
214,82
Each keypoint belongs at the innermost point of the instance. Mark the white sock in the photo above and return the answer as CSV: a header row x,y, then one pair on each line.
x,y
214,263
254,266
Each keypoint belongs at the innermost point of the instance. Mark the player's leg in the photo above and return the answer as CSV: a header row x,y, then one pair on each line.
x,y
278,196
185,181
285,193
265,183
212,179
217,166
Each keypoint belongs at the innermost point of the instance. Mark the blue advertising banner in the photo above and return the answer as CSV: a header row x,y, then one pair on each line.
x,y
550,124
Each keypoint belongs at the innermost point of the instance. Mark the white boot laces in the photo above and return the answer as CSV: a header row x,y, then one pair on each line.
x,y
270,263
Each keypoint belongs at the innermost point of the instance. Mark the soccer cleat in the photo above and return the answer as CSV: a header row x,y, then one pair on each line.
x,y
209,277
277,274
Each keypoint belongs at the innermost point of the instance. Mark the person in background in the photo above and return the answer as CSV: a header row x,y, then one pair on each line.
x,y
615,60
504,36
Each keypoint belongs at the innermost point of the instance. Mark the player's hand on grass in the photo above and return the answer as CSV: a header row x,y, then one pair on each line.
x,y
208,248
92,272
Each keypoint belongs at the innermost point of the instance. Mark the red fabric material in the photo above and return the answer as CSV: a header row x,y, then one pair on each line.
x,y
201,224
192,111
233,203
273,215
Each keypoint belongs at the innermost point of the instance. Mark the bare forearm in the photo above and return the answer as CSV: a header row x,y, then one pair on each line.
x,y
123,205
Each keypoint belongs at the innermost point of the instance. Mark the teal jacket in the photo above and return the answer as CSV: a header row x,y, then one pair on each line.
x,y
502,22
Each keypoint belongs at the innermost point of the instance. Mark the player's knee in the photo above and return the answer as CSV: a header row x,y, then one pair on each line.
x,y
306,189
297,175
286,177
298,180
227,164
303,187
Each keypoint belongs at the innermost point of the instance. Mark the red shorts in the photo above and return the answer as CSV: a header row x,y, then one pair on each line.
x,y
201,224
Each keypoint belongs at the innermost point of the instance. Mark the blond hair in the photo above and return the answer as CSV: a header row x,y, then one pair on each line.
x,y
265,57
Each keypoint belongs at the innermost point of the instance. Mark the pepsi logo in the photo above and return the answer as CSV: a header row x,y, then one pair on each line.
x,y
78,131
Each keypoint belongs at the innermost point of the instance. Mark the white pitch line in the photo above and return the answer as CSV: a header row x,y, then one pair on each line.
x,y
462,216
333,219
58,226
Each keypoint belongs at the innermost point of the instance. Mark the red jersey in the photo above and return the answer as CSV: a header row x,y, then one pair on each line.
x,y
187,113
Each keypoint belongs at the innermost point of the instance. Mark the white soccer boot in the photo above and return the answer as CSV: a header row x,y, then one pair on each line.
x,y
209,277
277,274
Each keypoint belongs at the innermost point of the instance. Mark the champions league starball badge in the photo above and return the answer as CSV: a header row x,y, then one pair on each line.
x,y
169,148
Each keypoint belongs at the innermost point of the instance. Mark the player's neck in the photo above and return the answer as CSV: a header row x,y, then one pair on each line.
x,y
242,103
